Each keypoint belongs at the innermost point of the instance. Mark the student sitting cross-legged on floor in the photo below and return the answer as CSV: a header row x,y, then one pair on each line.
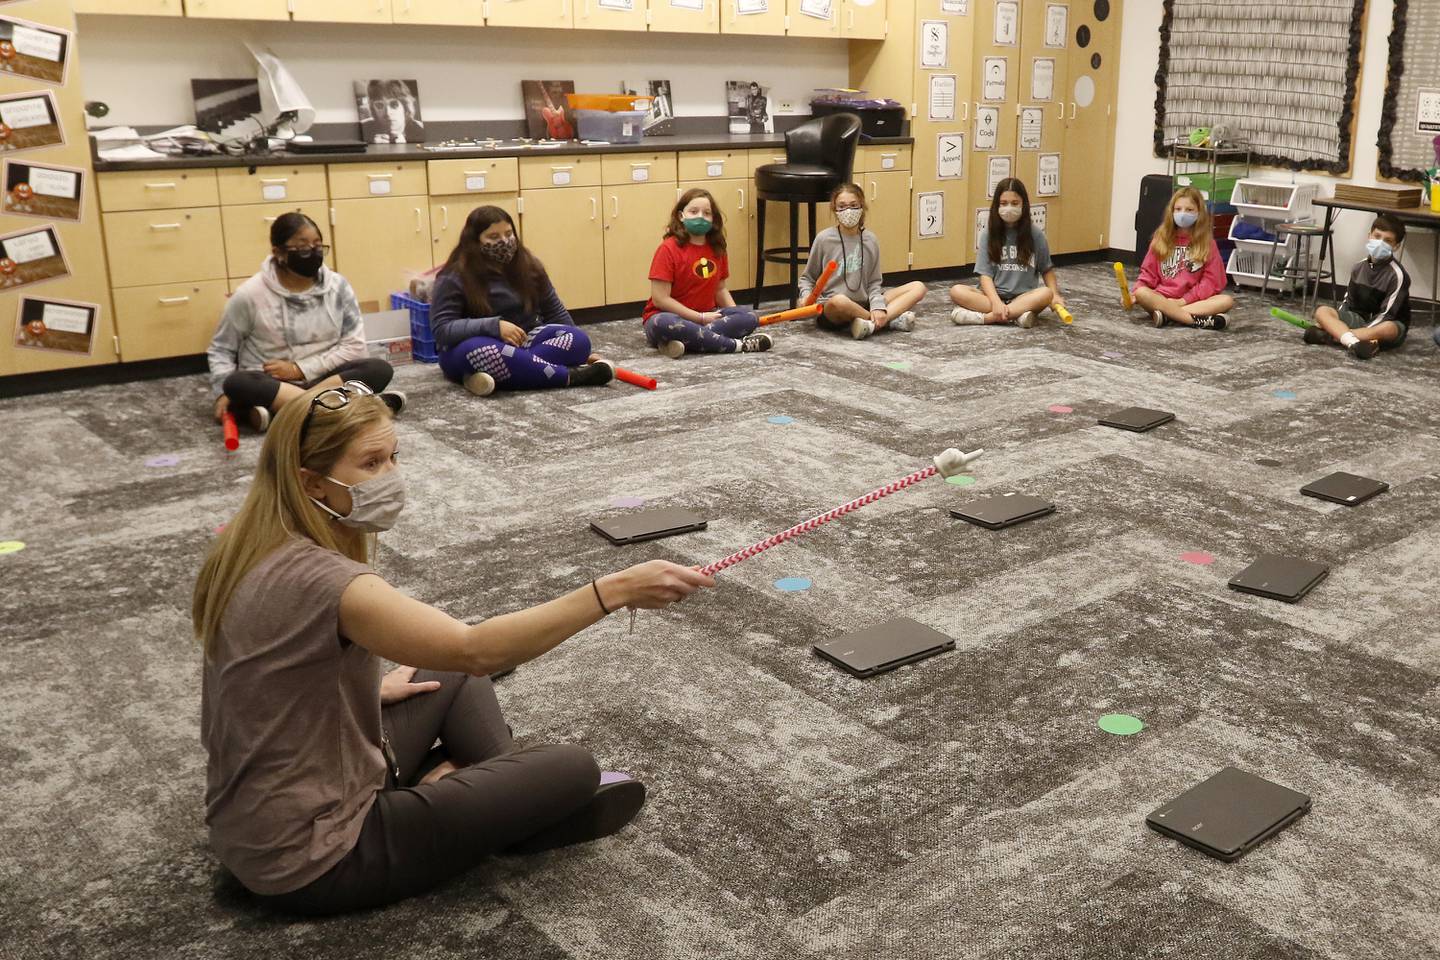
x,y
1375,313
497,321
853,297
1182,277
325,790
687,284
1017,279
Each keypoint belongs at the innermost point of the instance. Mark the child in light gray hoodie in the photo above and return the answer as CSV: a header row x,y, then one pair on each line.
x,y
853,296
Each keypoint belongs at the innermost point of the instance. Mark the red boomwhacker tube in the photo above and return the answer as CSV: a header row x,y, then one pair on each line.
x,y
799,313
232,431
820,286
639,379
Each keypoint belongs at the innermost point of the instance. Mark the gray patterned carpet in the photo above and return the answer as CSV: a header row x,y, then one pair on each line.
x,y
965,807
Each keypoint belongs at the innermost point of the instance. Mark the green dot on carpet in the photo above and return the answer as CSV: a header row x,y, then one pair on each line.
x,y
961,480
1120,724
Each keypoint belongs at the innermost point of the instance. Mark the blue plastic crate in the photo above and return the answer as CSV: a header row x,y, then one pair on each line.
x,y
422,340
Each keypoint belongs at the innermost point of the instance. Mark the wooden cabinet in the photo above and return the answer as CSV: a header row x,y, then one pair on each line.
x,y
864,19
463,13
448,213
610,14
620,168
246,231
355,181
635,215
753,17
530,13
889,217
342,11
496,175
380,244
238,185
563,227
807,24
542,173
877,158
1089,100
168,320
157,189
165,246
666,17
144,8
241,9
941,164
713,164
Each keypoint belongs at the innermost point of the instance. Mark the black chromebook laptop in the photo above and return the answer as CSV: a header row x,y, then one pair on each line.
x,y
1137,419
1229,814
1279,578
1006,510
1346,488
883,647
648,525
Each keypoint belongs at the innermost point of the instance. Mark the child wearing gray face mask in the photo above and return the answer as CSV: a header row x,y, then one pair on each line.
x,y
1017,278
1375,314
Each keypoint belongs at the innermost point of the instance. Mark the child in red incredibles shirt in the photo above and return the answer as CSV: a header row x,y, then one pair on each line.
x,y
1183,278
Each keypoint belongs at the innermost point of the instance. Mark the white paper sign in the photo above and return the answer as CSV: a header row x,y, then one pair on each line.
x,y
819,9
934,44
982,223
37,43
996,170
272,191
31,112
559,178
714,169
1007,23
29,246
987,127
1042,79
950,161
961,7
1049,174
887,162
746,7
942,96
379,188
1038,215
1032,123
57,316
993,82
930,222
474,181
55,183
1427,115
1057,19
639,174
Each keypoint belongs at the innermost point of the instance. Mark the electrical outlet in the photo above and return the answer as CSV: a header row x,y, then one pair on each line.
x,y
785,106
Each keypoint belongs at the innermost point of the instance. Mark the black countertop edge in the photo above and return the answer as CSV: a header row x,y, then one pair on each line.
x,y
415,151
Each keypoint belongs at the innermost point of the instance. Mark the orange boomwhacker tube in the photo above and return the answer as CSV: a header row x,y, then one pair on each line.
x,y
639,379
232,431
799,313
820,285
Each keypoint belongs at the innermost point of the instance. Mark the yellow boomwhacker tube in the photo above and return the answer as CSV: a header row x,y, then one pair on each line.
x,y
1126,300
1065,315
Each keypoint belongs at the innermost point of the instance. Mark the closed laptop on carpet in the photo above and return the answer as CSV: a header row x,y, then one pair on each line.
x,y
1346,488
1229,814
1279,578
1006,510
648,525
1137,419
884,646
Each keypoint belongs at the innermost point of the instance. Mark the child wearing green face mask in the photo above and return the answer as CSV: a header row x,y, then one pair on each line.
x,y
1375,313
690,310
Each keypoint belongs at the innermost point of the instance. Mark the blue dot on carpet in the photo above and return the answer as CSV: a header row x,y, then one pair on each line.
x,y
1284,394
792,584
780,418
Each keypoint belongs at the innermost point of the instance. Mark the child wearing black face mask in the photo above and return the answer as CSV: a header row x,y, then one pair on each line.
x,y
292,326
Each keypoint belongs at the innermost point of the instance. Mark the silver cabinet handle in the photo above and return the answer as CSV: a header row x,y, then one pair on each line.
x,y
160,186
164,226
169,300
594,208
615,206
418,226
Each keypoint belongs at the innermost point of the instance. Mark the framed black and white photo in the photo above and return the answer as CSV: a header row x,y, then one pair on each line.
x,y
42,190
749,107
389,111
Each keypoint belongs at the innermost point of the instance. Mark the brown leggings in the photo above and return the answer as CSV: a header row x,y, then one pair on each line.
x,y
415,837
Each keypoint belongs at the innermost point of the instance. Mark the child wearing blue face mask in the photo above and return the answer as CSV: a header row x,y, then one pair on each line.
x,y
1375,313
1182,278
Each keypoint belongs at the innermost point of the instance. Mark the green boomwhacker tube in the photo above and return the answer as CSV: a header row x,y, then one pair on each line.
x,y
1289,317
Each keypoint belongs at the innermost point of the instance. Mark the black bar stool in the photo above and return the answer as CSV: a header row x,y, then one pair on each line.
x,y
819,156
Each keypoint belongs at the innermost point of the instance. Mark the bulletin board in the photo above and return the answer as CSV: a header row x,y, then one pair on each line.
x,y
1411,117
1281,75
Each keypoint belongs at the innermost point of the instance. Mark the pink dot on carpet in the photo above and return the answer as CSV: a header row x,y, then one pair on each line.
x,y
1199,557
1060,408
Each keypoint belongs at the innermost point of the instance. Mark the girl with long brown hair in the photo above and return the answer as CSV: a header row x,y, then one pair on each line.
x,y
1017,277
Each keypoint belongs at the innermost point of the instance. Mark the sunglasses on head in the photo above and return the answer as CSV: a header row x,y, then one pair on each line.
x,y
335,398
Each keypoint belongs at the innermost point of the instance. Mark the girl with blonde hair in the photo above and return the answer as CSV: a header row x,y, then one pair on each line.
x,y
1182,277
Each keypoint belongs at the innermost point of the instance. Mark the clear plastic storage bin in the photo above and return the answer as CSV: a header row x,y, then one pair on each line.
x,y
621,126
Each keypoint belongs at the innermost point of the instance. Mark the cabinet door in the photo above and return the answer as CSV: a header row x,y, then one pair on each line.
x,y
864,19
380,244
530,13
240,9
635,217
753,17
563,228
1040,142
165,246
152,8
732,197
1089,132
941,160
243,185
342,11
889,217
999,75
466,13
667,17
247,232
170,320
610,14
447,218
813,18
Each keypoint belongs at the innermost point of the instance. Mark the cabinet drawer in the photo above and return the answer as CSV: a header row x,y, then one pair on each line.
x,y
271,184
539,172
496,175
758,158
247,232
157,189
352,181
168,320
164,246
879,159
618,168
713,165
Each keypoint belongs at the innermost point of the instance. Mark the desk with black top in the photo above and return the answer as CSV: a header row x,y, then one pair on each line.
x,y
1421,217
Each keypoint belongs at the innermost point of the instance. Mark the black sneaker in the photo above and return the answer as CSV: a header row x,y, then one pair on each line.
x,y
1213,322
611,808
1364,349
756,343
1317,337
595,374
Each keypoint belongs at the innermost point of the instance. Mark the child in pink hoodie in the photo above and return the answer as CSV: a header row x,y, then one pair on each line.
x,y
1183,278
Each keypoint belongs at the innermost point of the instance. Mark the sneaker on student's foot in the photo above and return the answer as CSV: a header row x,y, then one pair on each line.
x,y
1158,318
1216,321
904,323
595,374
963,317
1317,337
260,419
615,803
480,383
861,327
1026,320
1364,349
756,343
673,349
394,399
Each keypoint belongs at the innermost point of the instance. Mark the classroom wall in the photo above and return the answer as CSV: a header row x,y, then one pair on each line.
x,y
142,66
1135,124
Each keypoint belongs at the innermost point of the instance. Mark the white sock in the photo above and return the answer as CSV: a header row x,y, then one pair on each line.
x,y
1348,339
